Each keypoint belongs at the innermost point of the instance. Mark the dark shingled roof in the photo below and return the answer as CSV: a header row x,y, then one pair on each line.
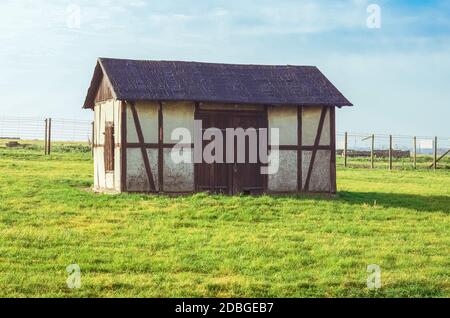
x,y
133,80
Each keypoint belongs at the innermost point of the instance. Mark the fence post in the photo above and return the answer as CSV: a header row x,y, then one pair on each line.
x,y
345,149
390,152
372,152
45,136
49,142
435,153
415,152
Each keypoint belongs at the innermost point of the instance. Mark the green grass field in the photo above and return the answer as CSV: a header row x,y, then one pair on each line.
x,y
217,246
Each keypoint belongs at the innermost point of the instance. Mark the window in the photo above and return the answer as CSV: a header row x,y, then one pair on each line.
x,y
109,146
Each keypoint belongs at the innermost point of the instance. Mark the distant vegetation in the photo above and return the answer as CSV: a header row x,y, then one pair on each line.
x,y
38,145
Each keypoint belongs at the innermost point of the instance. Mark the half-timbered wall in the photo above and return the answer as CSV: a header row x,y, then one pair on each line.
x,y
177,177
306,134
149,164
108,111
285,120
318,169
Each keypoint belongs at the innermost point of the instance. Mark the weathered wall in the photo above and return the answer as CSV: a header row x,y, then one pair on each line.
x,y
177,115
320,180
176,177
104,112
320,176
285,180
180,177
285,120
310,122
137,179
136,176
148,117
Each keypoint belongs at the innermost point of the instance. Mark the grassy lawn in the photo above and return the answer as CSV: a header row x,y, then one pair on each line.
x,y
202,245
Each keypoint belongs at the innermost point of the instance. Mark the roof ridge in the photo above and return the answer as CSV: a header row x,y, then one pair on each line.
x,y
202,62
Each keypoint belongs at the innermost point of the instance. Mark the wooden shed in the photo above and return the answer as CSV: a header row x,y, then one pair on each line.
x,y
138,105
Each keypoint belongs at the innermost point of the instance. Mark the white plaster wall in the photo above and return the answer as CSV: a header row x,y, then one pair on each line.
x,y
105,112
101,169
320,177
285,119
148,118
153,158
178,177
109,180
96,174
117,141
136,174
117,169
310,124
177,115
96,123
285,180
132,136
117,121
325,139
96,139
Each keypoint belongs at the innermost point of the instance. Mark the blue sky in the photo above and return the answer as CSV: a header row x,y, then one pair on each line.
x,y
397,76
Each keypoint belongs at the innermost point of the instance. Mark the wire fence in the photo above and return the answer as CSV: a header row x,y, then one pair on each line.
x,y
32,128
353,150
392,151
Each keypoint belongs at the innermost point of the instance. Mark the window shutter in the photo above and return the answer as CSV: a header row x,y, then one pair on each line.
x,y
109,146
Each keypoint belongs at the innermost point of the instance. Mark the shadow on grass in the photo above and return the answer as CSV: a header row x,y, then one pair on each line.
x,y
422,203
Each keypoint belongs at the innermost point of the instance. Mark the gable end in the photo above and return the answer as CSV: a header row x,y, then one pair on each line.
x,y
100,89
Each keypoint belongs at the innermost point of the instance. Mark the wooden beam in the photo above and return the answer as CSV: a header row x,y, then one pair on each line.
x,y
435,153
266,176
160,148
46,137
372,153
333,150
49,142
440,158
196,187
299,149
123,147
390,152
92,138
415,151
316,144
143,149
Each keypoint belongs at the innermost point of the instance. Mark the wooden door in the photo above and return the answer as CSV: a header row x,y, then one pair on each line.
x,y
214,177
247,177
231,178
